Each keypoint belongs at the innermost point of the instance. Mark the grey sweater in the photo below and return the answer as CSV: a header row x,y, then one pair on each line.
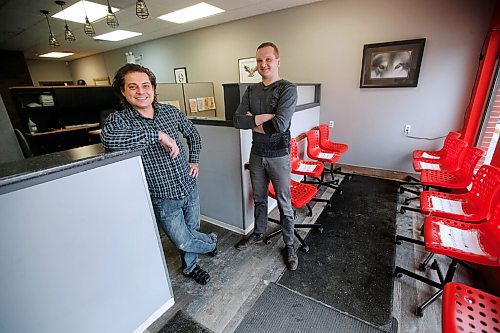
x,y
279,98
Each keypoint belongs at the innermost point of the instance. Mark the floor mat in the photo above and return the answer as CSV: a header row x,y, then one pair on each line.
x,y
183,323
279,309
350,264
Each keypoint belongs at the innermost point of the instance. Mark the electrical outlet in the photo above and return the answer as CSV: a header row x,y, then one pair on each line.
x,y
407,130
331,123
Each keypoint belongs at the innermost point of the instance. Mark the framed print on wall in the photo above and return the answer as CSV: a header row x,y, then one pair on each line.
x,y
248,70
180,75
392,64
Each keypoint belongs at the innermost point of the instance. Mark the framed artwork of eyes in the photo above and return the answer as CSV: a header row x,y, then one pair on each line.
x,y
392,64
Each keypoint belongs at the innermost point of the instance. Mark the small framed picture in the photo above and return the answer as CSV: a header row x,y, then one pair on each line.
x,y
180,75
392,64
248,70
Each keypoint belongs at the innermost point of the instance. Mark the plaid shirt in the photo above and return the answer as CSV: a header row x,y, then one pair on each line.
x,y
167,177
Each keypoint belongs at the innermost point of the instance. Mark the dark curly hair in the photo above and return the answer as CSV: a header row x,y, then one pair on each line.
x,y
119,81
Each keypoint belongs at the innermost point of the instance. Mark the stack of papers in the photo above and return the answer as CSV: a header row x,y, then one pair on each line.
x,y
46,100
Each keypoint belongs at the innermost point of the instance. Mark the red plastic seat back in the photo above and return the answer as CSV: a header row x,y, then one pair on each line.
x,y
440,152
494,218
449,138
454,152
324,135
485,184
472,156
312,142
466,309
294,150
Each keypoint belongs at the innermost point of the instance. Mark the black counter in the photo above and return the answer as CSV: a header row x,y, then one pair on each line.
x,y
39,169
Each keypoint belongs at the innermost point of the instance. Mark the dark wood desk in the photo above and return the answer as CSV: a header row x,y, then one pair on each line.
x,y
66,129
42,143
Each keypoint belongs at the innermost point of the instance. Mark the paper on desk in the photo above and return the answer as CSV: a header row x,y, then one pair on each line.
x,y
447,205
425,155
429,166
325,155
465,240
306,167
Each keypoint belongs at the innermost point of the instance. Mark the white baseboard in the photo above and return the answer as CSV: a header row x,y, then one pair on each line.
x,y
227,226
155,316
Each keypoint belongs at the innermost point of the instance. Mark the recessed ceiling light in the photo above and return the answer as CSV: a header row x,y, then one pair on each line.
x,y
191,13
76,12
56,54
117,35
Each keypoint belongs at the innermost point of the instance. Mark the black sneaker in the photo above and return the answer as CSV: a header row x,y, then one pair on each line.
x,y
214,252
292,261
199,275
254,239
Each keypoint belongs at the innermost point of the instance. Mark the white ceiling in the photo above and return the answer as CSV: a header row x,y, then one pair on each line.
x,y
23,27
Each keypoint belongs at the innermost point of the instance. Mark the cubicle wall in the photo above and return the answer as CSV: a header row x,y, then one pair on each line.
x,y
81,253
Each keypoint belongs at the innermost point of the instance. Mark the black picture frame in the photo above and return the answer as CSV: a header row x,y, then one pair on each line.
x,y
180,75
392,64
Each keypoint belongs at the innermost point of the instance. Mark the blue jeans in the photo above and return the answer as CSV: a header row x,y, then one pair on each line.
x,y
277,170
180,220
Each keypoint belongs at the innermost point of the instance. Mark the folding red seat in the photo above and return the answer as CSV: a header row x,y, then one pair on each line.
x,y
325,142
458,179
461,241
315,152
471,206
467,309
305,168
436,154
302,194
450,161
312,169
452,180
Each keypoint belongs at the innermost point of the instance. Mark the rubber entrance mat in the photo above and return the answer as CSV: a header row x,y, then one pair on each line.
x,y
183,323
350,264
279,309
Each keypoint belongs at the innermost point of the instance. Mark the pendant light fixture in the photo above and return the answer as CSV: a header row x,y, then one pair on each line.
x,y
88,28
68,34
141,10
111,19
52,39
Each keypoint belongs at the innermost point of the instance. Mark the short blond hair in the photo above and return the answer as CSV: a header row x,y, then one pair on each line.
x,y
275,48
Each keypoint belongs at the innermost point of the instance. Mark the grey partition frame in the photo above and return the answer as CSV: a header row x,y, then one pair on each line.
x,y
183,92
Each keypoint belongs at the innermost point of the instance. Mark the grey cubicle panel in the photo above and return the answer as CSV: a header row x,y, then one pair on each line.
x,y
81,253
171,92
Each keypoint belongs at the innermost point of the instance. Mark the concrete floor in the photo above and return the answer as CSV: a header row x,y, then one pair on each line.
x,y
239,278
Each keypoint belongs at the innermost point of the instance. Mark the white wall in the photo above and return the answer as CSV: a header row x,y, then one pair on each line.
x,y
323,42
48,70
89,68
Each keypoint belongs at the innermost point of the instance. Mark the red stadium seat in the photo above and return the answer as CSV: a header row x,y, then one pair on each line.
x,y
436,154
467,309
302,194
461,241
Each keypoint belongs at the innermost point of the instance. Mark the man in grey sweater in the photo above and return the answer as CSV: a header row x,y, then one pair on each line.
x,y
267,108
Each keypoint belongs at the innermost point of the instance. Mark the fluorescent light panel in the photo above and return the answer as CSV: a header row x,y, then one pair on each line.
x,y
76,12
118,35
192,13
56,54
